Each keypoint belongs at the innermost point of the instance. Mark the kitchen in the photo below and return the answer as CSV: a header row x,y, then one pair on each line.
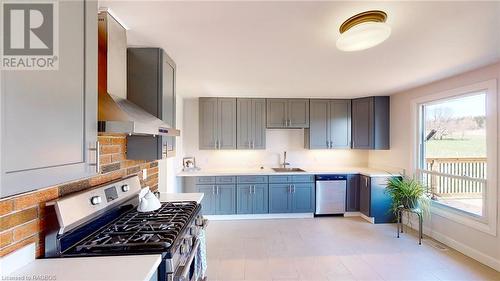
x,y
185,143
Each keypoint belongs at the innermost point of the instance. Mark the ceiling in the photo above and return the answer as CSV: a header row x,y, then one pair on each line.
x,y
287,49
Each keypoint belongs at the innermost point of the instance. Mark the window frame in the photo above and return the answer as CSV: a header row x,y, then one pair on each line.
x,y
488,221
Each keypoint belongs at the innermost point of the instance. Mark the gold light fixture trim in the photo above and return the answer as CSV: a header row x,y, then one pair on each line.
x,y
368,16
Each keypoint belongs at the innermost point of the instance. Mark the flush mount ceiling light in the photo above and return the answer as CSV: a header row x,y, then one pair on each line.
x,y
363,31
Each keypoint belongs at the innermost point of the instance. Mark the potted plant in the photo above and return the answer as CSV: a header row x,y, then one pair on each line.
x,y
407,193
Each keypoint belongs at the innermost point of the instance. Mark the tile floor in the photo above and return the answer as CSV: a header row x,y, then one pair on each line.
x,y
333,248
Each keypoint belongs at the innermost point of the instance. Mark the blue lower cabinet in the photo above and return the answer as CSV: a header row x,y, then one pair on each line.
x,y
218,199
303,197
280,200
291,198
244,201
208,202
252,199
380,207
226,199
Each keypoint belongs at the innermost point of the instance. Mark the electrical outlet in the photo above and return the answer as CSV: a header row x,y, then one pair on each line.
x,y
144,174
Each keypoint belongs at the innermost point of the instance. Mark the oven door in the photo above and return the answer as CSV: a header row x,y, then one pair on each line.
x,y
188,271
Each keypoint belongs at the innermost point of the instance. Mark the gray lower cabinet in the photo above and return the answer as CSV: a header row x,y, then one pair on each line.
x,y
49,118
364,195
352,200
217,123
218,199
287,113
252,199
291,194
303,197
370,123
251,123
151,85
330,125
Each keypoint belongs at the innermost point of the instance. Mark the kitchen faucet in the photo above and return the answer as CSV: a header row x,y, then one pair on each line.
x,y
284,164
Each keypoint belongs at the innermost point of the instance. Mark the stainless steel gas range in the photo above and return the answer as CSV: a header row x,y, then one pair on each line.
x,y
104,222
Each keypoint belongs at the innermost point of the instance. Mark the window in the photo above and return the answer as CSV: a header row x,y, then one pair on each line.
x,y
452,160
456,153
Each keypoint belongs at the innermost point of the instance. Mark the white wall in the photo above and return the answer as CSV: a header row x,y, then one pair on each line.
x,y
277,141
478,244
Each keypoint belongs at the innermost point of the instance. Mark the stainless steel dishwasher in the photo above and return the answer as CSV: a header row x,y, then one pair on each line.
x,y
330,194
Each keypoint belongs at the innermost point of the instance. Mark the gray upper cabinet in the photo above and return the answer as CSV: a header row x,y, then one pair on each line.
x,y
217,123
49,118
151,85
287,113
330,124
208,123
370,123
251,123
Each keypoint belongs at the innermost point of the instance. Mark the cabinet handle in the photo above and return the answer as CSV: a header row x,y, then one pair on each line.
x,y
215,144
217,189
327,144
331,144
293,186
97,163
213,189
253,144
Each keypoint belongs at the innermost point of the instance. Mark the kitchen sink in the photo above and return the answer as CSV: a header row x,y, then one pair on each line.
x,y
286,170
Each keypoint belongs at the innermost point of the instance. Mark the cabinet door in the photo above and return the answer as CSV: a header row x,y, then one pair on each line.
x,y
258,123
352,200
244,123
276,113
279,198
226,199
303,197
244,198
340,123
318,129
260,197
298,113
208,202
168,104
226,123
380,201
49,118
362,123
364,195
208,123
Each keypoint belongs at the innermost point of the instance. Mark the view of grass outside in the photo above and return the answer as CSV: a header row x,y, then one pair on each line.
x,y
455,134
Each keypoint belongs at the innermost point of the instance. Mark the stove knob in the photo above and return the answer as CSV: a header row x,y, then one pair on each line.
x,y
125,188
95,200
184,248
192,231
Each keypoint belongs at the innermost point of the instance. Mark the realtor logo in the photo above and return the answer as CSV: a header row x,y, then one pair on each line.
x,y
30,34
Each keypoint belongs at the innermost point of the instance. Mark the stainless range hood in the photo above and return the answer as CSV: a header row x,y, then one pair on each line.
x,y
117,115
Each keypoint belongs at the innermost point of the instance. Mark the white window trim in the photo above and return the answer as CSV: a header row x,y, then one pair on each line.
x,y
488,222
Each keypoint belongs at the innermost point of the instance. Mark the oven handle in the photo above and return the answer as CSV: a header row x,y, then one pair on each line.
x,y
185,268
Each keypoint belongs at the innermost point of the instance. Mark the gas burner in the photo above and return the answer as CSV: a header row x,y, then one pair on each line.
x,y
136,231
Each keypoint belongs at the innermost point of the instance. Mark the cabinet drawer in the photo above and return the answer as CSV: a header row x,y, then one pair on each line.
x,y
205,180
225,180
279,179
252,179
302,178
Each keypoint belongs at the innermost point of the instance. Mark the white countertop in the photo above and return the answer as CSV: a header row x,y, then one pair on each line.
x,y
176,197
119,268
308,171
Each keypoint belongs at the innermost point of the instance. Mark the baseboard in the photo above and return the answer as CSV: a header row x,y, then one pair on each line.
x,y
369,219
259,216
458,246
352,214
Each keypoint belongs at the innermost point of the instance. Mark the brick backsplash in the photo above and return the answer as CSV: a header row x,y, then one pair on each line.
x,y
22,217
